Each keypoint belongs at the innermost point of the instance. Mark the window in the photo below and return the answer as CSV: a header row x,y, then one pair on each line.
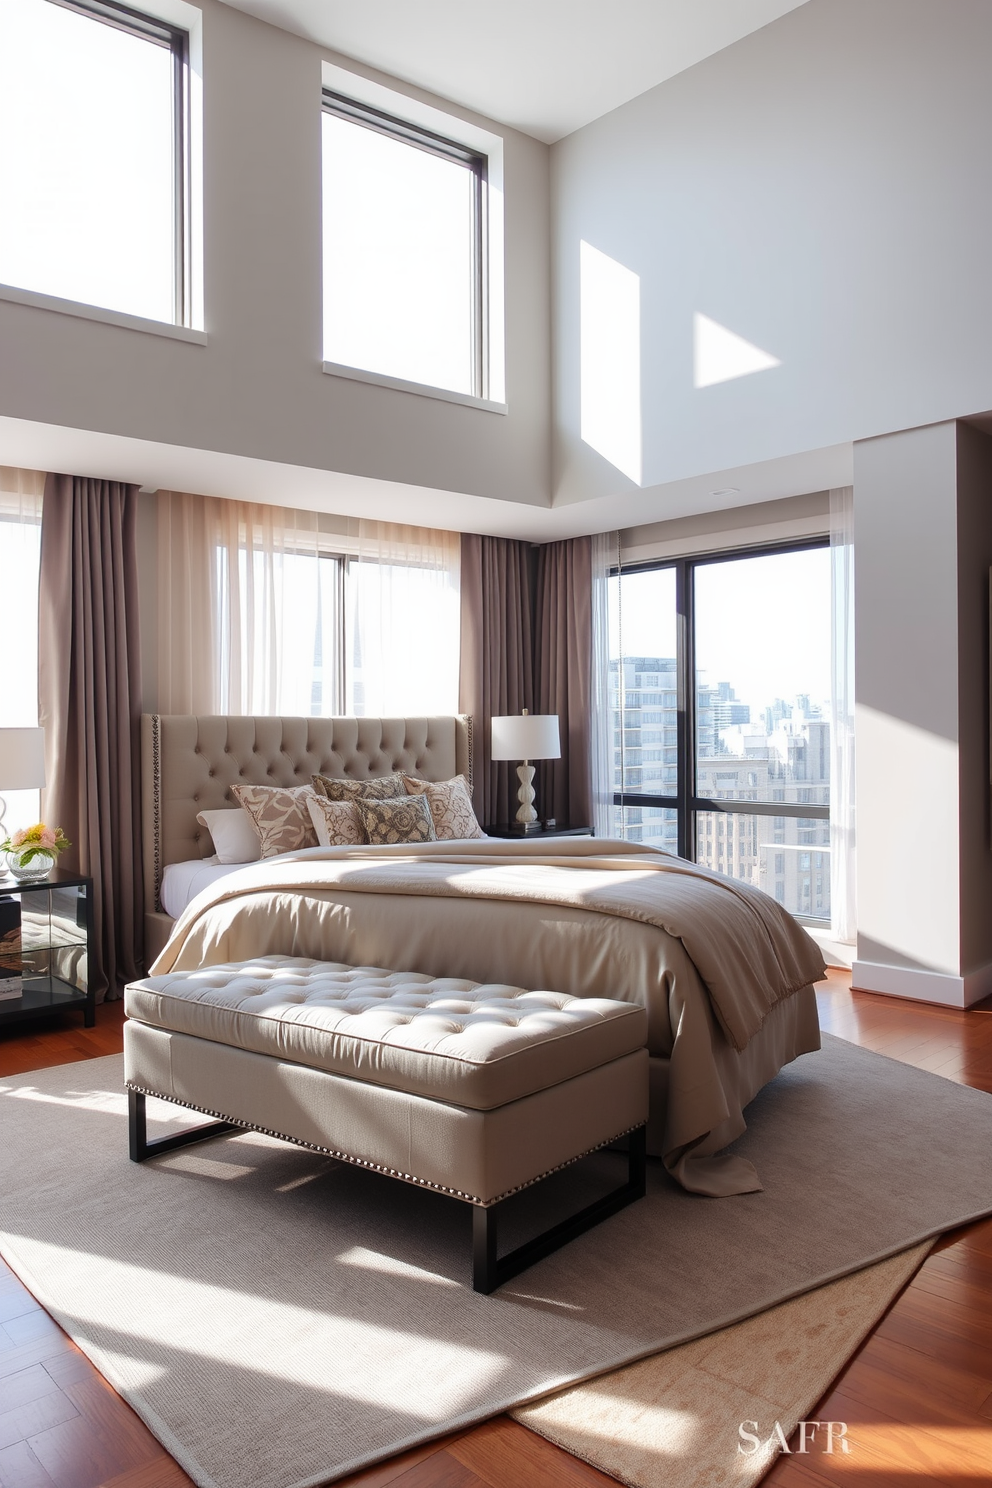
x,y
748,636
20,544
287,614
403,607
269,610
404,250
330,633
94,131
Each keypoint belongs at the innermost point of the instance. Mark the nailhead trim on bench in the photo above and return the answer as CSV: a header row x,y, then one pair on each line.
x,y
361,1162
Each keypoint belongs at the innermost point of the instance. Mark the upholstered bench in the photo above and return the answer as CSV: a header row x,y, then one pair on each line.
x,y
475,1090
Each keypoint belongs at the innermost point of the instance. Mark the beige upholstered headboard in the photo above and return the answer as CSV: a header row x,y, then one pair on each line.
x,y
189,763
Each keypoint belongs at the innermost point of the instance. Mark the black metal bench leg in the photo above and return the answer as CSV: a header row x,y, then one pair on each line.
x,y
137,1127
489,1271
637,1163
139,1147
484,1267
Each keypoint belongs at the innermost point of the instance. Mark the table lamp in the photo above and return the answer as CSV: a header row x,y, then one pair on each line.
x,y
526,736
22,764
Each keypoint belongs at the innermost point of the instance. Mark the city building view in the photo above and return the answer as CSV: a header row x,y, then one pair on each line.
x,y
779,751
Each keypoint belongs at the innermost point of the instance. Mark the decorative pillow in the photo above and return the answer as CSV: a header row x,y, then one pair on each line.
x,y
337,823
378,788
279,815
233,832
451,806
402,819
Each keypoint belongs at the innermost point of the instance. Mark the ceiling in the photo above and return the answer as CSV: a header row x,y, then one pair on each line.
x,y
542,66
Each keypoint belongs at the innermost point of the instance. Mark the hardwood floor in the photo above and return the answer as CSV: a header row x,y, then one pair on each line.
x,y
61,1424
917,1397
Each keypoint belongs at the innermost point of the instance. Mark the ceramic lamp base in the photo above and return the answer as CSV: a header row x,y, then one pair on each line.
x,y
526,815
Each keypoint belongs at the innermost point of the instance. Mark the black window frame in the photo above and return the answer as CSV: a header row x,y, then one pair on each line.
x,y
685,800
176,41
477,163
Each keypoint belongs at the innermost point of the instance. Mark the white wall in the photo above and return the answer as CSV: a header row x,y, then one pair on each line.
x,y
790,518
822,188
257,389
923,545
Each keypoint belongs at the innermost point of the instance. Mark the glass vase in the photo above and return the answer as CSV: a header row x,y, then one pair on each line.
x,y
39,865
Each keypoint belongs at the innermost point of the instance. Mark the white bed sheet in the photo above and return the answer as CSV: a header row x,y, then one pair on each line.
x,y
181,882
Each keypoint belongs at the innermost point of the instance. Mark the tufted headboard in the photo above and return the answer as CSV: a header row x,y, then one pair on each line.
x,y
189,763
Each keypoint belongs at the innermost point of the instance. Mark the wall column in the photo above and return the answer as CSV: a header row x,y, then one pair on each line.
x,y
923,545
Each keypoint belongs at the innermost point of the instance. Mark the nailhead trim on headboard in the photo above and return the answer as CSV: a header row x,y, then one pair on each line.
x,y
157,806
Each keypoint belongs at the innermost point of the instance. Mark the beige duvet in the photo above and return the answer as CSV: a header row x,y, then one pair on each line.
x,y
723,971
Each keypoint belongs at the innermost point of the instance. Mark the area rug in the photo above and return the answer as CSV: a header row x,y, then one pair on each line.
x,y
718,1409
259,1304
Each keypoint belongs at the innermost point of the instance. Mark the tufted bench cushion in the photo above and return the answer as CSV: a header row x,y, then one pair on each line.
x,y
470,1044
478,1090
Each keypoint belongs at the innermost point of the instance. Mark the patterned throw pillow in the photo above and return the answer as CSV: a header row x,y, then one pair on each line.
x,y
337,823
402,819
451,806
279,815
378,788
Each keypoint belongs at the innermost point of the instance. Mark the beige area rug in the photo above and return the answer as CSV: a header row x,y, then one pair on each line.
x,y
674,1420
281,1319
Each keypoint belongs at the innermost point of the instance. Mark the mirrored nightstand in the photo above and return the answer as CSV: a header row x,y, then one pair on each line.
x,y
56,947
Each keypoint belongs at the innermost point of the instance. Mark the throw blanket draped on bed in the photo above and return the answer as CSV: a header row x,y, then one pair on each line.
x,y
748,953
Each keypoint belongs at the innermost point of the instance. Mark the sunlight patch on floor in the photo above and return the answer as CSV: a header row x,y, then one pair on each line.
x,y
373,1260
654,1428
172,1314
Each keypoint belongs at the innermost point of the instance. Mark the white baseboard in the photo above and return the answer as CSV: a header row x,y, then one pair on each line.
x,y
923,986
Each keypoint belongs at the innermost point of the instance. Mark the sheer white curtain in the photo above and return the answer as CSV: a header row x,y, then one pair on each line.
x,y
604,552
843,886
21,494
249,609
278,612
188,674
271,611
403,620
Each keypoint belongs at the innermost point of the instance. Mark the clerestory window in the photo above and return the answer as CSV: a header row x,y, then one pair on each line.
x,y
404,251
94,156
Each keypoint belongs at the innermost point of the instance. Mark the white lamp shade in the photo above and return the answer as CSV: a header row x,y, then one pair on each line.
x,y
22,758
526,736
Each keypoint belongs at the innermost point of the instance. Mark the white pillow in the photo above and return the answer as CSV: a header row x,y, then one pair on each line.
x,y
235,839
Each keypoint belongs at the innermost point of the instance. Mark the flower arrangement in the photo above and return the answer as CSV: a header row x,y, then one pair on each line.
x,y
29,842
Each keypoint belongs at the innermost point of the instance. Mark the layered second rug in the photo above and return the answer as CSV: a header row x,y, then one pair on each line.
x,y
258,1302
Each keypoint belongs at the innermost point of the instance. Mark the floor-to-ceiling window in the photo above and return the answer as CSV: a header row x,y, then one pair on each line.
x,y
720,693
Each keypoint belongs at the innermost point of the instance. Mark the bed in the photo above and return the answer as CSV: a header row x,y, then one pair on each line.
x,y
726,976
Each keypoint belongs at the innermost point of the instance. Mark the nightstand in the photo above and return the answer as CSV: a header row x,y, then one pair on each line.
x,y
510,830
56,947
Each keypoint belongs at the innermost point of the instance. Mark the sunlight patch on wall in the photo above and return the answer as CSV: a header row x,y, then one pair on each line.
x,y
610,359
720,355
908,879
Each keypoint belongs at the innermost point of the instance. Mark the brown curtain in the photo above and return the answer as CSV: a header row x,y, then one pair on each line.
x,y
90,705
497,658
563,676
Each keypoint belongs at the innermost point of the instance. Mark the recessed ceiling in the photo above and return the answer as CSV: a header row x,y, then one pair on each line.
x,y
543,66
